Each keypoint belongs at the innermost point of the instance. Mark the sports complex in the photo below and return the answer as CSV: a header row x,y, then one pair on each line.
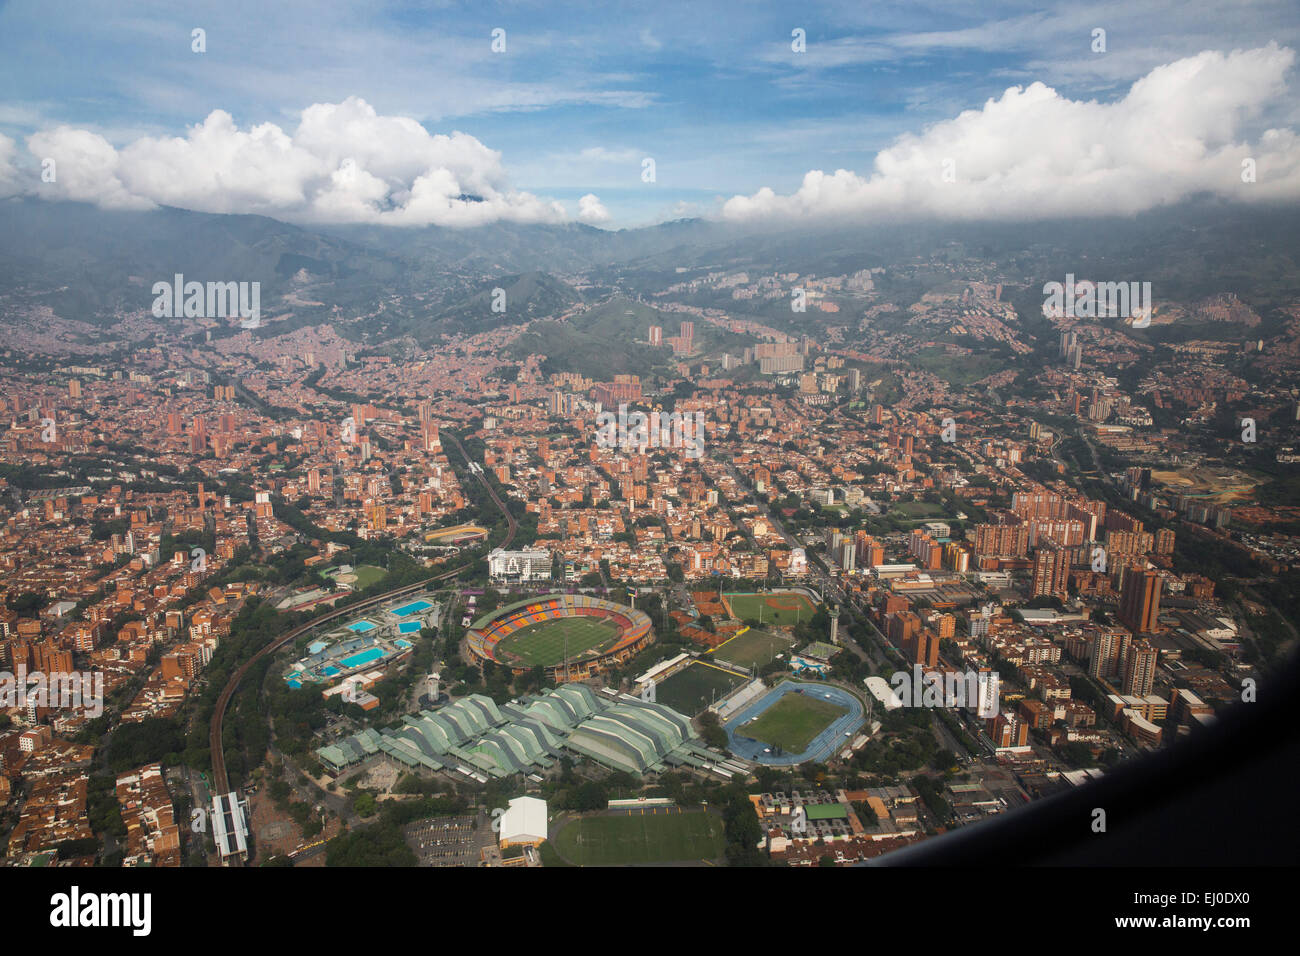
x,y
793,723
373,640
572,636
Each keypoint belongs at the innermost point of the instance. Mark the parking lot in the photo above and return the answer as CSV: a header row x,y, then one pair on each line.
x,y
444,841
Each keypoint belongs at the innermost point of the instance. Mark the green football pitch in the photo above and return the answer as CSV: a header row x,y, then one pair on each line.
x,y
752,647
692,689
783,609
541,645
654,835
792,722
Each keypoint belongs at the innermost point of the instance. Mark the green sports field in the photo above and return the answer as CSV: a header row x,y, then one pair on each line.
x,y
752,647
658,835
793,721
691,690
541,645
778,609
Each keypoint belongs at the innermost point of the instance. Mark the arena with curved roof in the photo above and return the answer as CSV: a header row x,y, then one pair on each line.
x,y
572,636
477,738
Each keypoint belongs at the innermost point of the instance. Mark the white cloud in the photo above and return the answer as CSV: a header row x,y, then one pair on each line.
x,y
592,211
602,154
344,163
86,168
8,171
1035,154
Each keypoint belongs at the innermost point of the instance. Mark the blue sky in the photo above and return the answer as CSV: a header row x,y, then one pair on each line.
x,y
713,92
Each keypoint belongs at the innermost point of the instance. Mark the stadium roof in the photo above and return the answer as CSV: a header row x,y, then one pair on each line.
x,y
473,734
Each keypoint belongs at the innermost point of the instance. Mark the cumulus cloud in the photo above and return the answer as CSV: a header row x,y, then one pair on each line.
x,y
343,163
592,211
1033,153
85,167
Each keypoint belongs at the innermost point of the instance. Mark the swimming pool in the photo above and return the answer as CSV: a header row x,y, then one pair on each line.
x,y
409,627
362,657
330,671
317,646
415,607
295,684
360,627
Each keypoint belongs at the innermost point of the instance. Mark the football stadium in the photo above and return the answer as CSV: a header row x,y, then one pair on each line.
x,y
573,636
793,723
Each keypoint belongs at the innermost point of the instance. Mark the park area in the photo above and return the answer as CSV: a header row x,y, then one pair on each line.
x,y
651,835
543,644
793,721
782,609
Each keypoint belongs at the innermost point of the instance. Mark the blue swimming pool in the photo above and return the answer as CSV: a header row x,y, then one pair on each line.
x,y
409,627
415,607
360,627
295,684
362,657
330,671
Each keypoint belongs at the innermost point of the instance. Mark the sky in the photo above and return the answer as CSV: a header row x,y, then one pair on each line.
x,y
394,113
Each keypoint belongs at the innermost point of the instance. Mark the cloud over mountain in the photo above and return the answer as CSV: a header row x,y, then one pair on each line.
x,y
591,210
1034,153
344,163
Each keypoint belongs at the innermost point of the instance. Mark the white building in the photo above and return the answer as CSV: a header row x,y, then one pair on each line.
x,y
524,822
230,827
530,564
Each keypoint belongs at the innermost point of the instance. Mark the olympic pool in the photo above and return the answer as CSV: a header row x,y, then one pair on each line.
x,y
362,658
415,607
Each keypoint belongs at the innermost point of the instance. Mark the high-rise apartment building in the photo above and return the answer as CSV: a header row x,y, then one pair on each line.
x,y
1139,600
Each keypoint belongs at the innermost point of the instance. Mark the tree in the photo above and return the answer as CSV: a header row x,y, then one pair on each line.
x,y
740,824
589,796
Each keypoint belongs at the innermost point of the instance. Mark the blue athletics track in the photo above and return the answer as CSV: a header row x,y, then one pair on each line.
x,y
822,746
